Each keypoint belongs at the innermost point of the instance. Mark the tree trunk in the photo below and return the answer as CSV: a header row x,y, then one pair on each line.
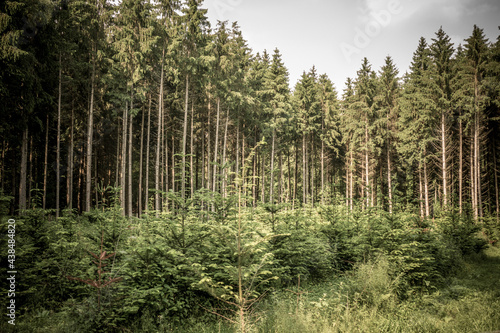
x,y
209,147
216,147
224,166
158,138
130,152
420,192
44,199
139,194
191,152
322,168
90,129
69,176
271,185
389,177
184,139
473,180
23,173
304,170
460,165
58,148
124,161
426,188
495,171
444,162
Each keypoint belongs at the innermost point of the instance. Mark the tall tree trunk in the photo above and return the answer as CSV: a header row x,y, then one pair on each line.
x,y
209,147
44,199
473,178
69,177
271,185
191,152
23,172
389,177
304,170
139,194
216,146
90,129
420,192
158,138
58,148
280,179
130,152
124,161
148,136
495,171
460,165
184,138
263,179
224,149
367,166
444,162
426,187
322,168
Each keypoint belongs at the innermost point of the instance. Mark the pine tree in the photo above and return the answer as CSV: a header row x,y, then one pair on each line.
x,y
441,52
386,101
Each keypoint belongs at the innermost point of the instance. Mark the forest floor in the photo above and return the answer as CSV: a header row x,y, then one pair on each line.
x,y
364,300
467,302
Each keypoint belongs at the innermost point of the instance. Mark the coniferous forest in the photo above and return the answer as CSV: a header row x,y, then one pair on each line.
x,y
158,175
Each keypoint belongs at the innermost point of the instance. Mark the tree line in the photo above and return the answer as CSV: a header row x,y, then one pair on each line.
x,y
131,100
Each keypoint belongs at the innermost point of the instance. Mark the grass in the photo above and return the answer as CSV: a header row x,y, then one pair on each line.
x,y
469,302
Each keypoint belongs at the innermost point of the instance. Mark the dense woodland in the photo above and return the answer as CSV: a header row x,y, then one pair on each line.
x,y
148,98
125,121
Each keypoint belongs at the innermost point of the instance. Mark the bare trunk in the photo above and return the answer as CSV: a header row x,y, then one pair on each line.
x,y
495,171
473,180
24,168
184,139
44,199
367,166
322,170
158,138
139,192
216,146
460,167
69,177
58,148
124,160
224,150
130,152
209,148
351,182
389,178
191,152
420,192
304,170
426,188
443,158
90,129
146,182
271,185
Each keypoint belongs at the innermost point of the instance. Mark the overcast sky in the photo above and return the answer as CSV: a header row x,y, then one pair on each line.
x,y
335,35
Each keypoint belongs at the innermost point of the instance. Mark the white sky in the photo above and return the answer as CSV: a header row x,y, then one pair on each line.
x,y
313,32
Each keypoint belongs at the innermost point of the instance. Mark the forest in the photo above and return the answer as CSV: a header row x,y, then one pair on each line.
x,y
135,135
